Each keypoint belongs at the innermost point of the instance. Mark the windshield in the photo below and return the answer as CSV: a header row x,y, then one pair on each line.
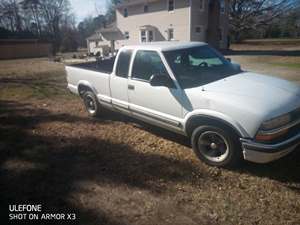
x,y
197,66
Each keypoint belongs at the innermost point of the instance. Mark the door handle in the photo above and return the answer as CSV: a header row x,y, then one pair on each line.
x,y
130,87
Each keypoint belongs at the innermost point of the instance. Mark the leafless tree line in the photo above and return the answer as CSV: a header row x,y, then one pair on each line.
x,y
43,18
254,15
53,20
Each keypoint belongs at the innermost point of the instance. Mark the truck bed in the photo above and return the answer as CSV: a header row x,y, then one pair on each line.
x,y
104,66
95,74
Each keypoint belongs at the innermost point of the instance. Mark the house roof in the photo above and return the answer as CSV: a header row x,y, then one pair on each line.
x,y
148,27
111,32
126,3
108,30
95,37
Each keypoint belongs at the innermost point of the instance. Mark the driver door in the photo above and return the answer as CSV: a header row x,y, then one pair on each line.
x,y
152,103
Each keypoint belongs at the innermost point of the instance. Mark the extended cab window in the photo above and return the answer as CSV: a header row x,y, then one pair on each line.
x,y
123,63
147,63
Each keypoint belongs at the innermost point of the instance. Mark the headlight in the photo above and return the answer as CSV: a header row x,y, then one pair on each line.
x,y
274,128
276,122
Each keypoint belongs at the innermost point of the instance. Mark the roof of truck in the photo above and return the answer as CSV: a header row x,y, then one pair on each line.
x,y
165,45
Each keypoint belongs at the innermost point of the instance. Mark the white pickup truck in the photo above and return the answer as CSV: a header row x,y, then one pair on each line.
x,y
191,89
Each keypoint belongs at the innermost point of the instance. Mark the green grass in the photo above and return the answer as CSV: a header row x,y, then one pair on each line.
x,y
288,65
34,78
274,41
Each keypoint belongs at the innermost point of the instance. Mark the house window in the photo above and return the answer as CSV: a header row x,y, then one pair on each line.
x,y
150,35
143,36
171,5
126,35
125,12
201,6
170,34
147,35
146,9
198,29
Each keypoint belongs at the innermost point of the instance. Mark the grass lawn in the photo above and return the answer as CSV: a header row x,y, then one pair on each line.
x,y
32,78
273,41
289,65
281,60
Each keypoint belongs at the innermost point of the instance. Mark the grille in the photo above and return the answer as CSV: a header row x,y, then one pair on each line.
x,y
295,114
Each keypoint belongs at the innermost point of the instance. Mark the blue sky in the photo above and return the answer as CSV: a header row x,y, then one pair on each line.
x,y
84,8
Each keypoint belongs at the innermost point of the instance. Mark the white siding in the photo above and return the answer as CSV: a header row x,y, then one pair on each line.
x,y
199,17
102,48
157,16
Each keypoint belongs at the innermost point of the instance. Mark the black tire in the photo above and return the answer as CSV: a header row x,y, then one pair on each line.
x,y
91,103
216,146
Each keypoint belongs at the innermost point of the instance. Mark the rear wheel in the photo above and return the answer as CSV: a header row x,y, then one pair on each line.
x,y
216,146
91,103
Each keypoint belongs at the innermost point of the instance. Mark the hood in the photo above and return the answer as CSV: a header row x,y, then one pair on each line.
x,y
269,94
247,96
255,85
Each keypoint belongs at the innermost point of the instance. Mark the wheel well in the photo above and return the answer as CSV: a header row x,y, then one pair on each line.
x,y
83,88
197,121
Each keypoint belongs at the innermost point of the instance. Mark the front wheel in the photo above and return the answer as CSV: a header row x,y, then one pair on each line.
x,y
91,103
216,146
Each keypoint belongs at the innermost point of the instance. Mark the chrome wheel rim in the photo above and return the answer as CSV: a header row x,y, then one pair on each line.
x,y
213,146
90,104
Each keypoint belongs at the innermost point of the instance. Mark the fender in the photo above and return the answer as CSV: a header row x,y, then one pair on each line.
x,y
107,100
211,114
87,84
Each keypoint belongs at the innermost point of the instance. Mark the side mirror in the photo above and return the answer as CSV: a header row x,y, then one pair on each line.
x,y
228,59
161,81
237,66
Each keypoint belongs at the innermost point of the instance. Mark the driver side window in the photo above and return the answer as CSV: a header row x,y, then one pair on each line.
x,y
147,63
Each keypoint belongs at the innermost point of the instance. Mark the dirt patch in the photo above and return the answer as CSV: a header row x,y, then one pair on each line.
x,y
116,170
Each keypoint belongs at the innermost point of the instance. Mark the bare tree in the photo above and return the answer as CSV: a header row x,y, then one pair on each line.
x,y
33,8
111,13
53,12
10,15
250,15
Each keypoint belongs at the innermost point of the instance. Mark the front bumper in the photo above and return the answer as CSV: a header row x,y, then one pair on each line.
x,y
264,153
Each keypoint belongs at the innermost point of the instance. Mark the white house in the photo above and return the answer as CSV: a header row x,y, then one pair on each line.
x,y
165,20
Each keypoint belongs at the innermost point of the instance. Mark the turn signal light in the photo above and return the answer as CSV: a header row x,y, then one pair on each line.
x,y
270,137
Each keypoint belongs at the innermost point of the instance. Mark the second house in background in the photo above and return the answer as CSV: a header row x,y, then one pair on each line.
x,y
166,20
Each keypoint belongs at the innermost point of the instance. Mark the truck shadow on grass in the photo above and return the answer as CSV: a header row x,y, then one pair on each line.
x,y
283,170
39,168
107,116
